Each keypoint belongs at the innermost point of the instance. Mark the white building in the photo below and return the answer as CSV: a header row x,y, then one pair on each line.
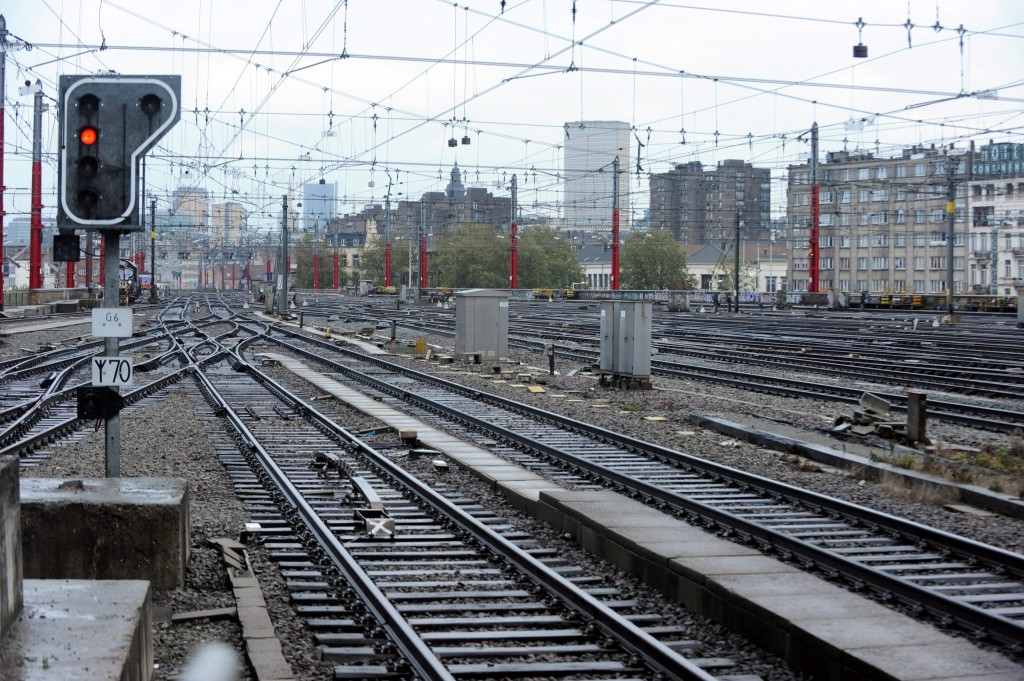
x,y
589,150
996,195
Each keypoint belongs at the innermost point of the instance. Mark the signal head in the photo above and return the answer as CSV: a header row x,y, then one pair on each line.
x,y
88,104
150,104
88,136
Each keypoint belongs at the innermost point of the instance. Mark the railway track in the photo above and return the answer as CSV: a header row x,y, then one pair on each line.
x,y
957,580
991,416
392,576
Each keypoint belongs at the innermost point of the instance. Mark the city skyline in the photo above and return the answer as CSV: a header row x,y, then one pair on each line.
x,y
266,108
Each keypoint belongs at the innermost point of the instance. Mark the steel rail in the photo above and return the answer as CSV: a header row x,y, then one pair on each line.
x,y
421,658
974,617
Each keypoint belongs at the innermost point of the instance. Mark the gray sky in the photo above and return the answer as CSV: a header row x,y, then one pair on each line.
x,y
269,104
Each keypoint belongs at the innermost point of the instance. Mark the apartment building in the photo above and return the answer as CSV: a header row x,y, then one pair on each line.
x,y
995,254
883,222
703,206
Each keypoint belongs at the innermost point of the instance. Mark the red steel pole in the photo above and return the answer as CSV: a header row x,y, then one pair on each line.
x,y
387,265
813,286
35,273
335,269
423,262
513,264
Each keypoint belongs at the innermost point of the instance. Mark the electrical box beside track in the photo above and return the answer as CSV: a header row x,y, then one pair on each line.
x,y
481,324
626,343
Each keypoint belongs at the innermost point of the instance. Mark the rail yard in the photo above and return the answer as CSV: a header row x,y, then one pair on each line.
x,y
410,512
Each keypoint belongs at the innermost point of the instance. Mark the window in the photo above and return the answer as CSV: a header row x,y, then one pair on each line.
x,y
827,219
880,263
901,171
825,263
801,264
827,197
920,170
919,285
862,284
938,285
899,285
845,175
1007,271
880,195
958,262
880,240
844,264
919,216
863,196
844,241
864,173
825,241
879,285
937,214
844,284
919,263
882,172
959,239
845,196
845,219
920,239
899,263
880,218
901,217
938,262
901,193
863,218
938,238
940,168
862,263
901,240
862,240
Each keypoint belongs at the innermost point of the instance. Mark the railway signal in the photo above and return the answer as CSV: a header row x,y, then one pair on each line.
x,y
107,123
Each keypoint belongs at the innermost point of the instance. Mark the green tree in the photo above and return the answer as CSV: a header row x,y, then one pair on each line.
x,y
654,260
470,256
546,259
301,254
371,262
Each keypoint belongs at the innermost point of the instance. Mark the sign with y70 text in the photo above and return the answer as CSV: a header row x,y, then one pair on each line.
x,y
110,371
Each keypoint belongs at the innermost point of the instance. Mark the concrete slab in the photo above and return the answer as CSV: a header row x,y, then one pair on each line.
x,y
106,528
78,629
10,543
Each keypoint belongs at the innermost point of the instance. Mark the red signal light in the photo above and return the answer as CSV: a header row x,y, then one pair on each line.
x,y
88,136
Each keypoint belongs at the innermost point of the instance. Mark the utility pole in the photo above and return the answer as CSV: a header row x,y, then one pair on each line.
x,y
513,233
387,234
615,223
35,274
950,224
736,274
282,277
814,284
152,252
5,45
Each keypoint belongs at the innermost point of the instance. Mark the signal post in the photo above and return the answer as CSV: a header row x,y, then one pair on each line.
x,y
107,124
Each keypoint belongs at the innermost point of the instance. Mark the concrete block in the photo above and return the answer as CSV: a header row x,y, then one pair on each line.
x,y
10,544
77,629
106,528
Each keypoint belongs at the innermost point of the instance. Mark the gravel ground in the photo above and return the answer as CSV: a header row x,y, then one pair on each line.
x,y
153,447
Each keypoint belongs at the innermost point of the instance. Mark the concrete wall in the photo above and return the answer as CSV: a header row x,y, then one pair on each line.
x,y
10,544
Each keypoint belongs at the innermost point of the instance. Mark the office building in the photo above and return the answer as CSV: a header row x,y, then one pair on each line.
x,y
591,186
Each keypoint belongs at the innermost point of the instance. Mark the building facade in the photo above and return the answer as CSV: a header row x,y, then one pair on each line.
x,y
319,204
591,186
883,222
703,206
190,207
996,240
226,224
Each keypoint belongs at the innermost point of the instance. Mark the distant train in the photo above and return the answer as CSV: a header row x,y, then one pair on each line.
x,y
906,301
